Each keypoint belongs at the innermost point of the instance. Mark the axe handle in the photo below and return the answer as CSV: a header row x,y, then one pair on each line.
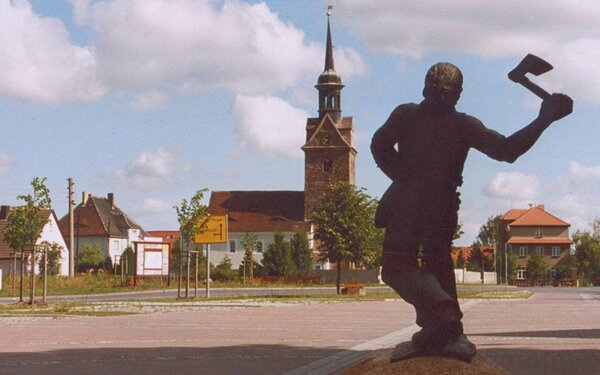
x,y
543,94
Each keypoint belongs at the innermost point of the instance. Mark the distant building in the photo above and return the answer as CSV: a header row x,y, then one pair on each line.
x,y
98,221
50,233
329,157
166,236
261,213
525,232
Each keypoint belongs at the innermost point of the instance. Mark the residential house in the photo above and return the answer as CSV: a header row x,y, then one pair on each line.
x,y
329,157
51,234
527,231
98,221
166,236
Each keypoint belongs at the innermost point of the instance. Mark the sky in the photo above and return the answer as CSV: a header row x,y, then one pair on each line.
x,y
156,99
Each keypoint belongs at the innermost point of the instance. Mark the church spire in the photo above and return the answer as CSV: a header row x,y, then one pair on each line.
x,y
329,83
329,48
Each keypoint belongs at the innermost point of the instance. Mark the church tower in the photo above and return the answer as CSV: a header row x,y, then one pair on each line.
x,y
328,152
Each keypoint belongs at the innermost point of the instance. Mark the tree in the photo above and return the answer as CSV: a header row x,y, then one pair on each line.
x,y
489,236
24,226
478,258
53,258
301,253
461,261
345,226
458,233
587,252
511,264
249,244
91,256
192,217
536,268
489,232
277,259
223,270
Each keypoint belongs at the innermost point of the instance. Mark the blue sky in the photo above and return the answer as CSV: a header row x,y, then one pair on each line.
x,y
154,99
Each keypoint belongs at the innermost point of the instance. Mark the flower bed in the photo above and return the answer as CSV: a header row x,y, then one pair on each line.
x,y
354,289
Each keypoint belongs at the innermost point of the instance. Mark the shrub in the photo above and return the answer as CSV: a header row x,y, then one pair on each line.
x,y
90,256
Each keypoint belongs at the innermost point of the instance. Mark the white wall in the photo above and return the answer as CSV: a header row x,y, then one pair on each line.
x,y
52,234
219,251
472,277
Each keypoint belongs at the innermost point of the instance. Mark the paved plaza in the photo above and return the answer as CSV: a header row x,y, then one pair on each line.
x,y
556,331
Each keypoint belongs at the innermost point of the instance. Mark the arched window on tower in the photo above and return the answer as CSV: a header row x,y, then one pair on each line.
x,y
333,102
327,166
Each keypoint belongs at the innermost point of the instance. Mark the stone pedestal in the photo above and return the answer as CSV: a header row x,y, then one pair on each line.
x,y
379,364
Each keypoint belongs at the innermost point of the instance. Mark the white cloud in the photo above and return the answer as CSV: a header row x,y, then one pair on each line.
x,y
150,171
38,61
563,32
513,186
150,44
578,195
149,101
151,206
269,125
6,163
581,173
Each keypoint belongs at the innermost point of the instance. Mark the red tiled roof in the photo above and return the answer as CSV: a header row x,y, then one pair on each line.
x,y
168,236
541,241
260,211
537,216
513,214
5,250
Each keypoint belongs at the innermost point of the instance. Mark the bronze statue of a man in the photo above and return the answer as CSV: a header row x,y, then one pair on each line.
x,y
423,148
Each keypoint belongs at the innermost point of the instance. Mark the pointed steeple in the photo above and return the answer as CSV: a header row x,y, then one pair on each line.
x,y
329,83
329,50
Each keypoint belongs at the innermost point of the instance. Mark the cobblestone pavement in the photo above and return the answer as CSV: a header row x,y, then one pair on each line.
x,y
553,332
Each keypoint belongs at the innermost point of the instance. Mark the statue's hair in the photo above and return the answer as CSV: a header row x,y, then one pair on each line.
x,y
444,73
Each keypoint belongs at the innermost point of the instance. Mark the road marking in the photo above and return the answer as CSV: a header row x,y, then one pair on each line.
x,y
345,358
588,297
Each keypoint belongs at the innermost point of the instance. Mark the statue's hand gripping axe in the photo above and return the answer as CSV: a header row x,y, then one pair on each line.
x,y
534,65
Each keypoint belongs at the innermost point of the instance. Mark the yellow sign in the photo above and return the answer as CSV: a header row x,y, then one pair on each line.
x,y
215,230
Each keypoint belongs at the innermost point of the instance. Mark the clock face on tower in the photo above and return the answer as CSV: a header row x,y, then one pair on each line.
x,y
325,140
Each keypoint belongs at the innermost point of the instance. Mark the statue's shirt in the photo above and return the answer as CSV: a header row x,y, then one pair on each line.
x,y
423,149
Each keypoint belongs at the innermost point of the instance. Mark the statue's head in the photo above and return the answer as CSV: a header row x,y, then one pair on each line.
x,y
443,85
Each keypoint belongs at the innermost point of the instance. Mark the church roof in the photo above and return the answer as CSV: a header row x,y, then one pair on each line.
x,y
329,75
260,211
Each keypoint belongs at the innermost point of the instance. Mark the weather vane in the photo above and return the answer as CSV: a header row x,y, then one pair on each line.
x,y
329,9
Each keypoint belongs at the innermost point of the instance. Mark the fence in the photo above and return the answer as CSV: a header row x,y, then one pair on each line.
x,y
349,276
471,277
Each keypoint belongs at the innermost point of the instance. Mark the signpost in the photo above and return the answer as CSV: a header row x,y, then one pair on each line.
x,y
215,231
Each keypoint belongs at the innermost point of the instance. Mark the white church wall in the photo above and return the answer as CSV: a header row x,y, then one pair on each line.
x,y
219,251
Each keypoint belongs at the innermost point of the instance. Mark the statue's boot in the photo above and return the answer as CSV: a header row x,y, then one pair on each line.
x,y
459,348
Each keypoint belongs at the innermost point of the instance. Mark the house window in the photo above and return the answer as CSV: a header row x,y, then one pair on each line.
x,y
539,250
539,233
327,166
555,251
259,246
232,246
553,273
523,251
521,273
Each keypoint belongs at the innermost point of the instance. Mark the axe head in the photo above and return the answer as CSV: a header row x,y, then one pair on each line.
x,y
530,64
